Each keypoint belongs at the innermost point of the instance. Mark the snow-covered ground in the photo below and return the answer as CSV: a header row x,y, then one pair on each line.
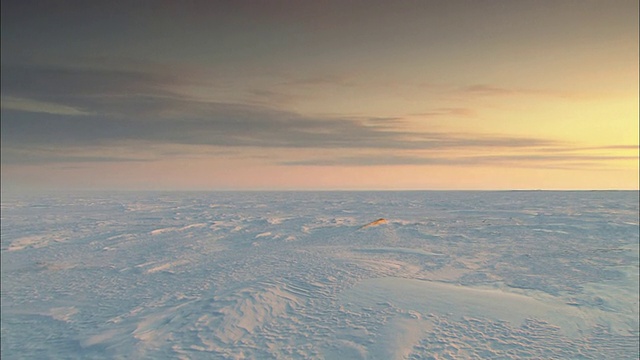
x,y
446,275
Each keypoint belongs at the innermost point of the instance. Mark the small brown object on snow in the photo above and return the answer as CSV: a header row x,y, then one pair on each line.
x,y
374,223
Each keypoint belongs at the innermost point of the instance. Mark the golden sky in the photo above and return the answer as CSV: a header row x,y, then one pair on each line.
x,y
295,95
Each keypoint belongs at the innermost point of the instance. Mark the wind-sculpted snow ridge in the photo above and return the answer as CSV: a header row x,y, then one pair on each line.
x,y
449,275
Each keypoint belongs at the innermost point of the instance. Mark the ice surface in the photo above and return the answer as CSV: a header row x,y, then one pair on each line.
x,y
447,275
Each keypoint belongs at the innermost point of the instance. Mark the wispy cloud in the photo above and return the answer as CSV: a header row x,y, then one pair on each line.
x,y
449,111
60,108
323,80
486,90
482,89
237,125
67,82
521,161
13,103
128,105
31,156
591,148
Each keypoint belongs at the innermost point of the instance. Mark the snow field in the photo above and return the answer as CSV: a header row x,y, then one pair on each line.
x,y
447,275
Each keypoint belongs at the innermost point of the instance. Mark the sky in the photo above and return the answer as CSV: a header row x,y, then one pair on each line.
x,y
319,95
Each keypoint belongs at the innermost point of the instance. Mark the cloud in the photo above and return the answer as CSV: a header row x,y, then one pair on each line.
x,y
323,80
91,90
28,105
452,111
521,161
88,107
222,124
492,90
22,156
481,89
270,97
590,148
66,82
116,105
